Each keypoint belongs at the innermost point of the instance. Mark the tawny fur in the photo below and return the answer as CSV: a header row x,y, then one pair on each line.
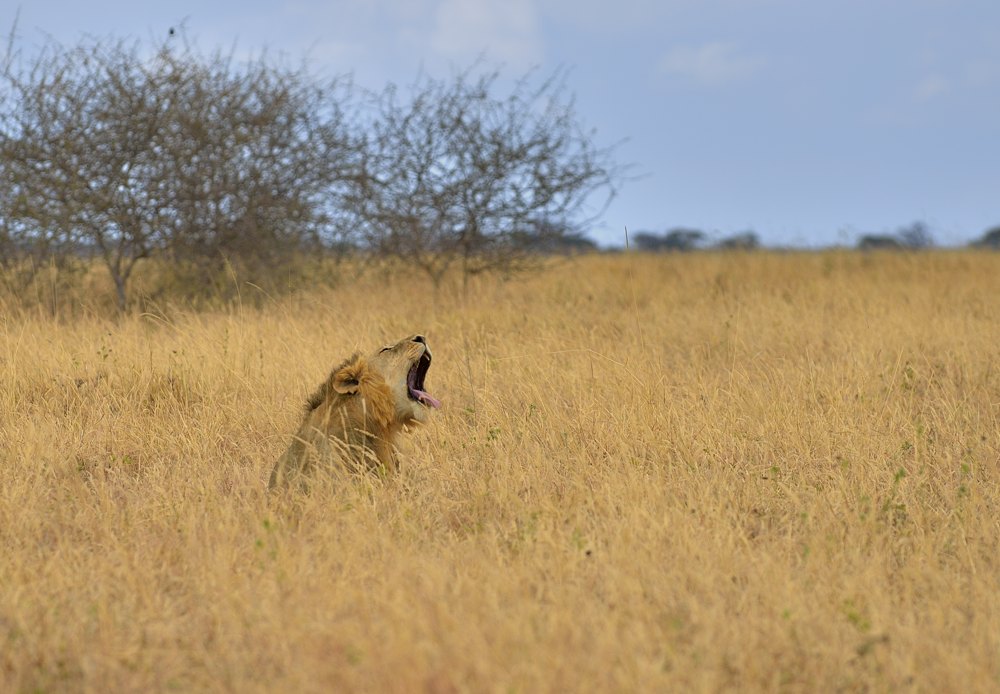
x,y
356,415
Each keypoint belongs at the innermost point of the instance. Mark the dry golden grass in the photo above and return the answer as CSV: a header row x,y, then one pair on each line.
x,y
714,472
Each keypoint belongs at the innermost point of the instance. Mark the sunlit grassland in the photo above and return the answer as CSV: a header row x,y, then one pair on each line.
x,y
761,471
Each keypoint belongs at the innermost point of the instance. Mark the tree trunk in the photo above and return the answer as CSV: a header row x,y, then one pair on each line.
x,y
120,281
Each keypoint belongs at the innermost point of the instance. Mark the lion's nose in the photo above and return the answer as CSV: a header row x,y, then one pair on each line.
x,y
419,338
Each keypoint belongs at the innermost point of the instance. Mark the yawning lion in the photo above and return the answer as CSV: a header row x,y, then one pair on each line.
x,y
357,413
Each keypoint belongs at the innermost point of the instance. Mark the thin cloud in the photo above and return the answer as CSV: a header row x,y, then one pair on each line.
x,y
982,73
931,87
507,32
713,63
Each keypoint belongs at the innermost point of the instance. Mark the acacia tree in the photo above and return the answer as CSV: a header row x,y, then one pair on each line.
x,y
454,173
74,137
127,156
256,158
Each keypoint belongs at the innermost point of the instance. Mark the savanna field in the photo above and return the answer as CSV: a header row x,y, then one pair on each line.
x,y
709,472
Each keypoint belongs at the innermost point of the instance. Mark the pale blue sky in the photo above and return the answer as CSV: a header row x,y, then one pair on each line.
x,y
809,122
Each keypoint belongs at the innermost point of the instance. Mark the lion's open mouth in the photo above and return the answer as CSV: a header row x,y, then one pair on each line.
x,y
415,382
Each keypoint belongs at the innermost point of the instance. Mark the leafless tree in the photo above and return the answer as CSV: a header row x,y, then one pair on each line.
x,y
256,157
128,152
455,174
74,145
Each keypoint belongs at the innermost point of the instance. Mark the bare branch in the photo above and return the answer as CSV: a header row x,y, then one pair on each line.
x,y
456,174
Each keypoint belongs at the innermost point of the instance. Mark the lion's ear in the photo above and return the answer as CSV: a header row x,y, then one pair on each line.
x,y
345,385
347,379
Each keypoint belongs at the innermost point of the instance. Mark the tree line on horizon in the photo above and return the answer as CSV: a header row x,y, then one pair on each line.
x,y
915,236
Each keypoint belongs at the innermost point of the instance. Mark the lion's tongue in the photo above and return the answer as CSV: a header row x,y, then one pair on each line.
x,y
426,398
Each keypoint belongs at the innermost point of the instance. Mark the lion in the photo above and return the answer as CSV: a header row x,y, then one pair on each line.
x,y
357,413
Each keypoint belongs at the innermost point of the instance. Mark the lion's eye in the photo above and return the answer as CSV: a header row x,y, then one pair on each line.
x,y
384,349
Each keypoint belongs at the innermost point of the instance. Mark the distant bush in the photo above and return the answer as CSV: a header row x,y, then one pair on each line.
x,y
914,236
745,241
551,238
876,242
990,239
679,239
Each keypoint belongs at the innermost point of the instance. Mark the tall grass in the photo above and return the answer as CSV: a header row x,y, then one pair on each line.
x,y
764,472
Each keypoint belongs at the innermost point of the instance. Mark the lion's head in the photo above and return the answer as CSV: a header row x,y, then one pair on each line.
x,y
360,409
404,367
